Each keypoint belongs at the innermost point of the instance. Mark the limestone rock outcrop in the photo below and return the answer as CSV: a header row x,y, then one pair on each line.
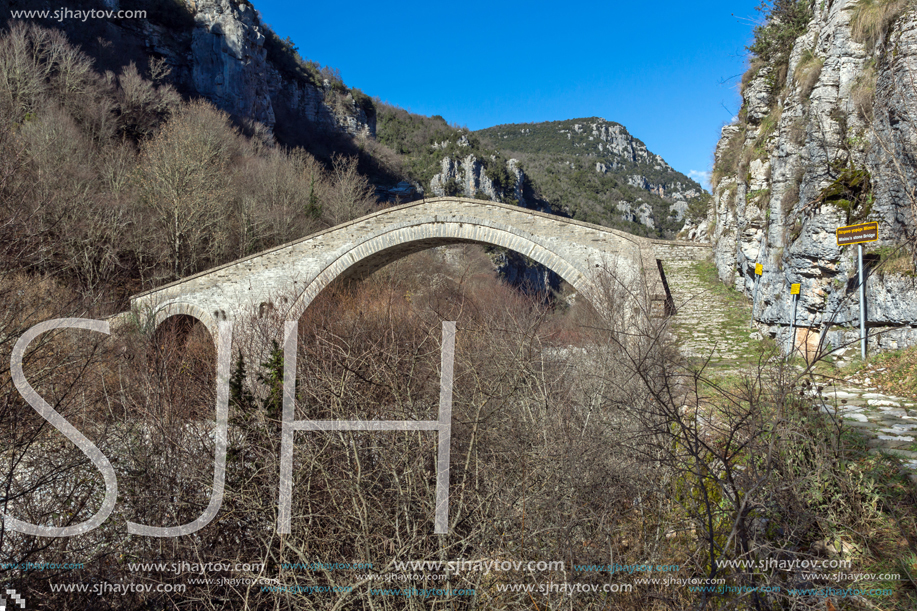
x,y
642,213
220,53
468,177
826,145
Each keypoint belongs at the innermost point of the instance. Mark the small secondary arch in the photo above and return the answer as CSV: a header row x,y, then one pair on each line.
x,y
183,309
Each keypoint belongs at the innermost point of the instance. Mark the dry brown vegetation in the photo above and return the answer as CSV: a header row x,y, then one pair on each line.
x,y
863,93
807,72
578,435
872,18
117,183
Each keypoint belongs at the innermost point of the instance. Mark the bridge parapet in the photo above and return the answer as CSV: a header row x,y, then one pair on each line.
x,y
676,250
285,279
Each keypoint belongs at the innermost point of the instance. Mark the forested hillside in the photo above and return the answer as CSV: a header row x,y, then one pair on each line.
x,y
114,183
595,171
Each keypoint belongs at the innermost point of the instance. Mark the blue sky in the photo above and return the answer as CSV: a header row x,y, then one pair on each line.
x,y
666,70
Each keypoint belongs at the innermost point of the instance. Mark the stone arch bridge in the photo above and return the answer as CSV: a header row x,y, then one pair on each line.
x,y
287,278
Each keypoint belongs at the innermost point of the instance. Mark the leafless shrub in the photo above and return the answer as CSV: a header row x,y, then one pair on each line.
x,y
757,464
46,479
142,105
730,162
24,69
751,72
279,195
531,418
350,195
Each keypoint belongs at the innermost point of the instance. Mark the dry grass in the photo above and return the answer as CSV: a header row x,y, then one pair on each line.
x,y
894,260
758,149
807,72
753,69
791,195
778,80
797,131
728,163
863,94
790,198
872,19
901,263
900,372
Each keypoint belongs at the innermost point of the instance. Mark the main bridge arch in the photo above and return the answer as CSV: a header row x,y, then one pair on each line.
x,y
290,276
378,251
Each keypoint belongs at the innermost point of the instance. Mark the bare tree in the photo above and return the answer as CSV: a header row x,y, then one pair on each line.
x,y
279,196
182,180
349,195
142,105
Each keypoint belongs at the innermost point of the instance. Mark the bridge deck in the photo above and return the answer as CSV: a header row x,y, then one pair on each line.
x,y
291,275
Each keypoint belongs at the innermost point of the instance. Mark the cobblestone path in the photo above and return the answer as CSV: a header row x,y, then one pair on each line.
x,y
713,322
888,422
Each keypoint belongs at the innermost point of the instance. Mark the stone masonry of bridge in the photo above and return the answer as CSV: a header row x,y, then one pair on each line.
x,y
285,279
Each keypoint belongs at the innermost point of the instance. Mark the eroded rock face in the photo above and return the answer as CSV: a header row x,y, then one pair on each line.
x,y
525,274
642,213
617,141
468,177
228,65
894,124
793,142
758,95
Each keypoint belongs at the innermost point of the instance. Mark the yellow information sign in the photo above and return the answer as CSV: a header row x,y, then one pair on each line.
x,y
759,269
794,289
857,234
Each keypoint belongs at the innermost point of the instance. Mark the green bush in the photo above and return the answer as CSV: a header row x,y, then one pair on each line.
x,y
561,161
496,170
363,101
452,188
785,21
284,54
851,192
698,208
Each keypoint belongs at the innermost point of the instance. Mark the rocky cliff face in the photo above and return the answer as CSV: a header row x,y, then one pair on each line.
x,y
229,66
468,177
823,141
222,51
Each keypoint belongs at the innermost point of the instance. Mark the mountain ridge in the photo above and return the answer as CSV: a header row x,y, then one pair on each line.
x,y
596,170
